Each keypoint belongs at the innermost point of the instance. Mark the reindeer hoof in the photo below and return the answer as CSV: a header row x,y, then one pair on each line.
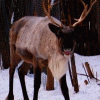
x,y
10,97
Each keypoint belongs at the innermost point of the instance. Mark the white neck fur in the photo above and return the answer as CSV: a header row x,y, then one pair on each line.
x,y
58,65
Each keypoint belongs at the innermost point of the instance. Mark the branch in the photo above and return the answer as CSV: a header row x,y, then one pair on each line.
x,y
87,76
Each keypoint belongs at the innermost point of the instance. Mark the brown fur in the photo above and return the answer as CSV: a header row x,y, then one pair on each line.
x,y
32,39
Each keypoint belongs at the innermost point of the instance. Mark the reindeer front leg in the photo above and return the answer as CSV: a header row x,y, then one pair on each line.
x,y
64,88
37,82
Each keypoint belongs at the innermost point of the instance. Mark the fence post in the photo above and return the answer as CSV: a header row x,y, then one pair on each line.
x,y
74,74
89,70
50,80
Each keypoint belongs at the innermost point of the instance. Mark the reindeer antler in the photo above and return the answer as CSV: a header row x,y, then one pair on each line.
x,y
84,13
49,10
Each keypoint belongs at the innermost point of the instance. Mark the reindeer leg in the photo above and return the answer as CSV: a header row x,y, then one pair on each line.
x,y
37,82
13,61
22,71
64,88
10,95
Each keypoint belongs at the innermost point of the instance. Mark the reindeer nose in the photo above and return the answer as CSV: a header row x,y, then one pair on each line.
x,y
67,51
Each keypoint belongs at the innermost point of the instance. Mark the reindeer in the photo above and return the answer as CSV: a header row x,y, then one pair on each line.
x,y
42,41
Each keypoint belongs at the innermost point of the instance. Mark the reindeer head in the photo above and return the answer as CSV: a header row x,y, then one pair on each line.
x,y
66,34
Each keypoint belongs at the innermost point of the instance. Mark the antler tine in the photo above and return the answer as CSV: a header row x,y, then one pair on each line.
x,y
82,16
83,3
84,13
49,7
85,9
48,12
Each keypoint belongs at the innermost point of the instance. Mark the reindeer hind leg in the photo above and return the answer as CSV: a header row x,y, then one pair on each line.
x,y
22,71
14,60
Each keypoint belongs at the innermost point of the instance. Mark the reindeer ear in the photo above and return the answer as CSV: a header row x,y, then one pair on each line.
x,y
55,29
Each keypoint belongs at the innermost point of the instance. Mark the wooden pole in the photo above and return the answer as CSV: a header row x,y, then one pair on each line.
x,y
74,74
85,72
50,80
70,73
89,70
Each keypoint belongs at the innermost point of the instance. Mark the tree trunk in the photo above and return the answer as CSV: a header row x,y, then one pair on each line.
x,y
98,22
4,34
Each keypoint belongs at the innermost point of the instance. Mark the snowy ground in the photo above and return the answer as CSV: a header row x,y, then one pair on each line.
x,y
86,92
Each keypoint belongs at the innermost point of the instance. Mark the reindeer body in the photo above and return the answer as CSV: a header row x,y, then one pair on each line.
x,y
36,38
33,39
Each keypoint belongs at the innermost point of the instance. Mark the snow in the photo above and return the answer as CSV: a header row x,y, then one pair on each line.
x,y
90,91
